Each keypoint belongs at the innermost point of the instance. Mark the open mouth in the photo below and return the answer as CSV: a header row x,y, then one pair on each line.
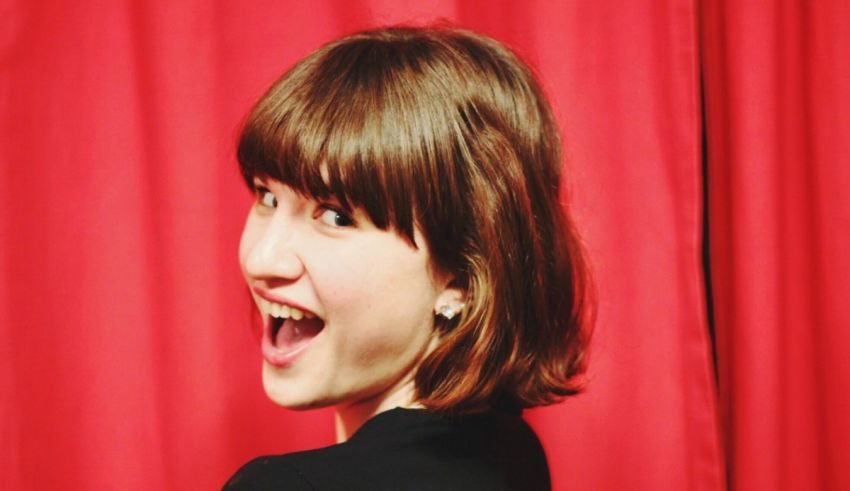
x,y
288,331
289,334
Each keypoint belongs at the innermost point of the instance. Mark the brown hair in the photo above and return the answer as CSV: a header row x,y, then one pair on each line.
x,y
445,130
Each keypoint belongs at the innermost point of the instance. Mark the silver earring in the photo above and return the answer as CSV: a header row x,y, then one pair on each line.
x,y
449,311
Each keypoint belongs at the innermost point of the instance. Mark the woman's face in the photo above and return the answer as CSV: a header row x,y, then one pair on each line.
x,y
348,308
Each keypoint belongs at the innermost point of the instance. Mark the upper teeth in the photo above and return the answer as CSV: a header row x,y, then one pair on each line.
x,y
283,311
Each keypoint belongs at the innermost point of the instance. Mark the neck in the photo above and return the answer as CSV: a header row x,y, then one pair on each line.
x,y
350,417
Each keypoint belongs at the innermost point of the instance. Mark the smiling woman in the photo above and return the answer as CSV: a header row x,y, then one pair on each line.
x,y
348,305
412,261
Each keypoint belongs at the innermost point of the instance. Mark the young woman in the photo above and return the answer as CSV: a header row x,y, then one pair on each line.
x,y
412,261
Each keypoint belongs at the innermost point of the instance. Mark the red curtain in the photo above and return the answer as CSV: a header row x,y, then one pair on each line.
x,y
127,361
777,86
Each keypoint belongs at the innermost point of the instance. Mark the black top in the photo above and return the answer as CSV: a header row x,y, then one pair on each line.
x,y
412,449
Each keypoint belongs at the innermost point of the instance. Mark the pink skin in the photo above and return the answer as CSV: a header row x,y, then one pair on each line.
x,y
375,292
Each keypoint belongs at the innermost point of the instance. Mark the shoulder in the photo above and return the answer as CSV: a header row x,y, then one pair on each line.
x,y
269,472
510,447
412,450
337,467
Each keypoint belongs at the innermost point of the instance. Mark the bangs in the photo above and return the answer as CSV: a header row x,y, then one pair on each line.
x,y
354,123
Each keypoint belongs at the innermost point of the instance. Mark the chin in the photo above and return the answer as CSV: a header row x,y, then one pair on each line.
x,y
286,393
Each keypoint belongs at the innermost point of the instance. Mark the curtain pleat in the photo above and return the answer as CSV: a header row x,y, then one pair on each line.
x,y
777,90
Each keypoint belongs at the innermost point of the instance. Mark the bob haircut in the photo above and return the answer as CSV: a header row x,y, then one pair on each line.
x,y
445,131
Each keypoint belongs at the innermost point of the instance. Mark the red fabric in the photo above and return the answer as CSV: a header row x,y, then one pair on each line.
x,y
778,118
127,360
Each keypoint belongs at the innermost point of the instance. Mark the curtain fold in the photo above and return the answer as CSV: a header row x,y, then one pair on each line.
x,y
777,87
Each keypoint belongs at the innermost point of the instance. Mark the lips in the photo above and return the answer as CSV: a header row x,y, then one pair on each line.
x,y
288,329
285,339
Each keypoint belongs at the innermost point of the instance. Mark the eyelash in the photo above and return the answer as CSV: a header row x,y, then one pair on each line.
x,y
261,193
322,209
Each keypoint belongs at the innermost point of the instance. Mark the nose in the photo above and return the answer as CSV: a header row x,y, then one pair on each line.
x,y
273,252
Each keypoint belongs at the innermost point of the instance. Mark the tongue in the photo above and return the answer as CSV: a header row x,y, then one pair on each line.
x,y
293,334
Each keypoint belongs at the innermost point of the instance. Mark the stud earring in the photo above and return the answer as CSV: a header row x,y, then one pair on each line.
x,y
449,311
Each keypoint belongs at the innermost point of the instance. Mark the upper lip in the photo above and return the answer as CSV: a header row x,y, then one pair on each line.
x,y
281,300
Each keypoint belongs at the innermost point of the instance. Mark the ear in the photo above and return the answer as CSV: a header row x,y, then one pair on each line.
x,y
449,302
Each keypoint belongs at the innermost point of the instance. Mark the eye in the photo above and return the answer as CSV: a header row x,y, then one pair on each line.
x,y
266,197
333,217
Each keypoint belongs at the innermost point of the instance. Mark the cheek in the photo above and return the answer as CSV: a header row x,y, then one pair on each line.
x,y
372,276
382,310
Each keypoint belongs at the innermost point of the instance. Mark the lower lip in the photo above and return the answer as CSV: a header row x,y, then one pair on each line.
x,y
277,357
